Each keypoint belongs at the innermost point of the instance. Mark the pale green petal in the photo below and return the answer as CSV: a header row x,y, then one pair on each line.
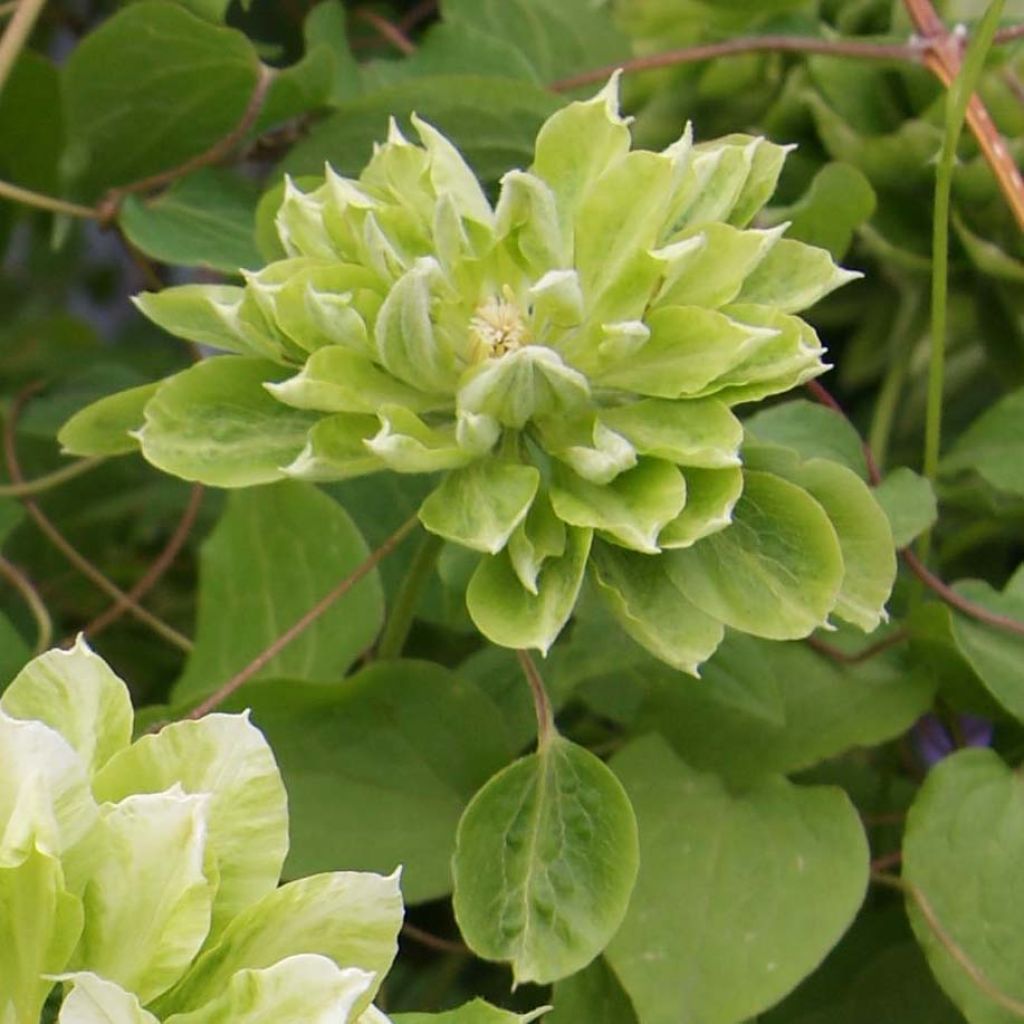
x,y
450,174
632,509
306,988
148,904
720,172
557,299
701,433
407,444
527,220
351,917
95,1000
228,758
300,223
688,348
589,448
510,615
480,506
711,495
40,922
336,449
651,608
529,383
794,276
539,537
335,379
76,693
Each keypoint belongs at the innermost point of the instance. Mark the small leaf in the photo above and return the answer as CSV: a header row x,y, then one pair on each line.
x,y
545,860
204,220
909,501
702,940
593,995
962,850
215,423
993,446
776,572
512,616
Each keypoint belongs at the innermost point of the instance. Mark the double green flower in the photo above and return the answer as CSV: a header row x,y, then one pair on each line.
x,y
569,358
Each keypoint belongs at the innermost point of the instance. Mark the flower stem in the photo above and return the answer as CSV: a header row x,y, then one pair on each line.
x,y
16,34
396,630
546,730
50,480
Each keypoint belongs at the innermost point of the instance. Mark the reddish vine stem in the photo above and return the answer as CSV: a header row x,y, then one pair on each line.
x,y
155,572
826,398
895,638
66,548
222,148
911,51
29,594
417,14
958,601
434,942
262,659
541,704
887,860
388,31
1010,34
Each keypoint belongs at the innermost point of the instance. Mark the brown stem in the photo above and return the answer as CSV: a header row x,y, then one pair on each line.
x,y
541,705
826,398
420,12
434,942
302,624
155,572
898,636
21,583
1010,34
969,967
221,149
50,480
66,548
958,601
887,860
19,28
386,30
912,51
27,197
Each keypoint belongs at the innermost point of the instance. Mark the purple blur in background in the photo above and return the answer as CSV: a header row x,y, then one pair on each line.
x,y
933,742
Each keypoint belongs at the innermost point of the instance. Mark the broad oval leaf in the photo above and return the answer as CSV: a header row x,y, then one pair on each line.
x,y
545,860
740,895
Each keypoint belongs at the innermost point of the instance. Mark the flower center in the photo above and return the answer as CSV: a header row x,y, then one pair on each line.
x,y
498,326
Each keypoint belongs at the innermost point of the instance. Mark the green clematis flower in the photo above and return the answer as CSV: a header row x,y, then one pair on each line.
x,y
569,358
143,877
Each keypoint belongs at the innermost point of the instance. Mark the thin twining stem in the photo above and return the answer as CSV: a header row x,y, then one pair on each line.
x,y
21,583
301,625
67,549
50,480
19,28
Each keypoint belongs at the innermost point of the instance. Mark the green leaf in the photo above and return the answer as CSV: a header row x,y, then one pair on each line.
x,y
305,987
204,220
151,87
94,1000
763,708
476,1012
491,120
559,37
512,616
481,506
545,860
216,423
652,610
593,995
996,655
909,501
379,768
30,145
993,446
39,927
776,572
306,544
840,199
811,429
226,758
961,854
702,940
147,906
106,427
76,693
326,27
349,917
14,652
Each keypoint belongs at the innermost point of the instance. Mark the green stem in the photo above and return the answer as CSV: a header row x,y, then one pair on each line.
x,y
42,202
396,630
50,480
21,583
546,730
18,30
